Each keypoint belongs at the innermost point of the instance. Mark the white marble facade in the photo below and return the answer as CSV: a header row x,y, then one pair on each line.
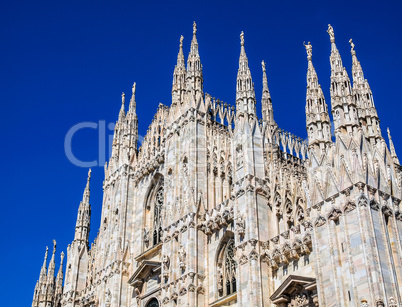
x,y
219,207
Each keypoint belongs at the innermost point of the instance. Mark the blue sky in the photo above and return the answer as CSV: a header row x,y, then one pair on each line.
x,y
67,62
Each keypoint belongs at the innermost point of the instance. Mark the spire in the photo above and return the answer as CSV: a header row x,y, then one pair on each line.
x,y
194,43
266,101
42,276
86,195
132,123
343,104
52,267
180,55
84,215
392,148
122,111
50,276
59,278
357,71
179,76
35,300
245,95
194,67
317,118
133,106
364,99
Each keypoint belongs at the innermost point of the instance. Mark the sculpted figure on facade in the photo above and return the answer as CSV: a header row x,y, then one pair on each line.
x,y
182,257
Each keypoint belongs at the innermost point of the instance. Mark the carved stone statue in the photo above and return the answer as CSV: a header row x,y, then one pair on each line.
x,y
220,281
182,257
331,33
146,236
108,296
352,45
166,262
240,225
309,50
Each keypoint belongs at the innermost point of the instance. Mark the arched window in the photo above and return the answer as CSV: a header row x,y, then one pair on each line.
x,y
230,268
153,303
226,267
157,226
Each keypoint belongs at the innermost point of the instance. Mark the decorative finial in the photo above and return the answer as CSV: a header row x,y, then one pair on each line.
x,y
263,66
331,33
194,28
123,98
54,246
242,38
309,50
181,40
47,250
89,174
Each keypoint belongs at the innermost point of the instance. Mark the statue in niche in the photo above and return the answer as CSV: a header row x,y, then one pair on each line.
x,y
146,236
220,281
108,296
182,257
240,225
166,262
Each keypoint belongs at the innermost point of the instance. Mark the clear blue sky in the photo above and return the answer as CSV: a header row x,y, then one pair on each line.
x,y
66,62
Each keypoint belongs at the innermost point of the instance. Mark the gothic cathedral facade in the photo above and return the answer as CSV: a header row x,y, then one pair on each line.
x,y
220,208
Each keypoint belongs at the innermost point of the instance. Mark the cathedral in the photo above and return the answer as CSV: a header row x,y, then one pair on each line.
x,y
221,207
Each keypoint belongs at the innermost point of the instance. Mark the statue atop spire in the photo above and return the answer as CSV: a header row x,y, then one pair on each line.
x,y
331,33
352,47
194,30
242,38
309,50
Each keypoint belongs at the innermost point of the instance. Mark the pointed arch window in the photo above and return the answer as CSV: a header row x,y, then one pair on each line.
x,y
230,268
157,223
226,268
